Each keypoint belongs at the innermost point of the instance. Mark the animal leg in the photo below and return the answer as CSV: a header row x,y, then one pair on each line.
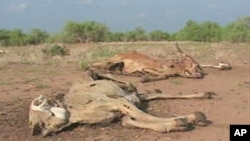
x,y
132,111
174,125
110,66
146,79
99,65
148,97
156,75
99,76
220,66
196,118
152,71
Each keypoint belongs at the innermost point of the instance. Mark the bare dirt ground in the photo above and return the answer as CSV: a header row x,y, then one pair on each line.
x,y
21,82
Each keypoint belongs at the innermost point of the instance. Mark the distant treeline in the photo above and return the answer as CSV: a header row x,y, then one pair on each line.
x,y
91,31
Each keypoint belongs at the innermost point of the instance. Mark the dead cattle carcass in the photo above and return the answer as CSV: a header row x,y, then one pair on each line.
x,y
103,101
2,52
134,63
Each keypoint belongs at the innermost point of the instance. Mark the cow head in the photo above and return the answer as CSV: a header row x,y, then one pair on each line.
x,y
46,118
187,66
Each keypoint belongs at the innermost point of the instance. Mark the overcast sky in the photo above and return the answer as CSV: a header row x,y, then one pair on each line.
x,y
119,15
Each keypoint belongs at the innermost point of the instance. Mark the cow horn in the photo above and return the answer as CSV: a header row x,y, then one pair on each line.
x,y
179,50
41,107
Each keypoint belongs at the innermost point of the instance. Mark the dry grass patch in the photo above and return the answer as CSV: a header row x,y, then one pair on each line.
x,y
83,54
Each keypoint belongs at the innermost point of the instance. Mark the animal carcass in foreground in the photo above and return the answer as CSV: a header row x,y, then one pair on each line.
x,y
2,52
104,101
134,63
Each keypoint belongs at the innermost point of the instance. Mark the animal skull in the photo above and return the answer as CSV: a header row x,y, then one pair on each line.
x,y
44,117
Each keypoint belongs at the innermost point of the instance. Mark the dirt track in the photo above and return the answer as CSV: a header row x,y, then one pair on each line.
x,y
20,83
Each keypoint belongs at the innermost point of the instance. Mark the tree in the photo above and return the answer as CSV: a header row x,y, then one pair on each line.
x,y
138,34
238,31
75,31
37,37
210,32
115,37
190,32
158,35
244,21
16,38
99,32
86,31
4,37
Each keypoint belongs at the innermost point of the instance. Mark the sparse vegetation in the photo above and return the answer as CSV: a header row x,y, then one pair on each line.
x,y
82,64
85,54
103,53
55,50
42,86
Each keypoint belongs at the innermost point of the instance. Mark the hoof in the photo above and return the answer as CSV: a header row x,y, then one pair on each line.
x,y
46,132
209,95
200,119
225,66
181,125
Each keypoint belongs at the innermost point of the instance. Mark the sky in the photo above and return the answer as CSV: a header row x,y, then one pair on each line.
x,y
119,15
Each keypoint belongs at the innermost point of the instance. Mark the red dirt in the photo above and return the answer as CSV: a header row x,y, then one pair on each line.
x,y
20,83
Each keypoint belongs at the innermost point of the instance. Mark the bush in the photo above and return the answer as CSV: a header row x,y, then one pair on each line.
x,y
82,64
55,50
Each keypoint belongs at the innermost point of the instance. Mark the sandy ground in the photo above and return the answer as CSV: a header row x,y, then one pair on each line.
x,y
20,83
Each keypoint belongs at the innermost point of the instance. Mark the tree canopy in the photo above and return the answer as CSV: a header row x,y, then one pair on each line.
x,y
85,32
91,31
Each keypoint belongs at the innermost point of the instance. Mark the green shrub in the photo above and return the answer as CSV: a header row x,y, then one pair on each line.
x,y
82,64
55,50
